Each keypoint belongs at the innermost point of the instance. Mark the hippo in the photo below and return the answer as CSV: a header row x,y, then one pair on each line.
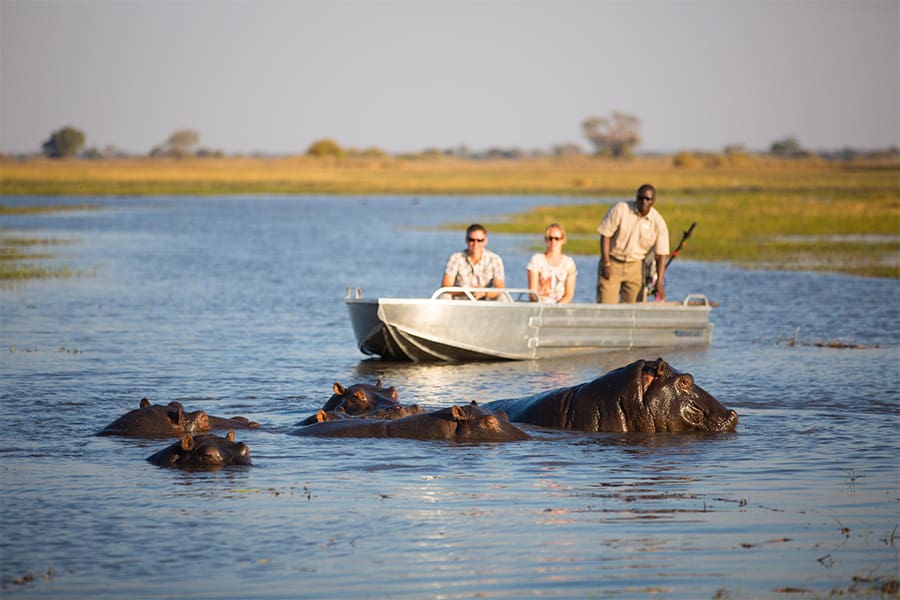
x,y
468,423
171,420
645,397
366,401
203,451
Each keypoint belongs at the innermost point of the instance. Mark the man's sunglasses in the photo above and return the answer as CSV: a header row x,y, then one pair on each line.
x,y
475,240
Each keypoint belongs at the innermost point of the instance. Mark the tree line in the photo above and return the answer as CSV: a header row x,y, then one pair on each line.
x,y
615,136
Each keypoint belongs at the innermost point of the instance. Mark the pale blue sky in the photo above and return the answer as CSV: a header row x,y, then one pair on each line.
x,y
404,75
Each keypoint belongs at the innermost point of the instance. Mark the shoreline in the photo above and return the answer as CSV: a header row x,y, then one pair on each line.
x,y
800,214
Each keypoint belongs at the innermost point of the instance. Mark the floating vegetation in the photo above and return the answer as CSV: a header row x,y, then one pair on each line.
x,y
44,209
838,343
21,272
17,256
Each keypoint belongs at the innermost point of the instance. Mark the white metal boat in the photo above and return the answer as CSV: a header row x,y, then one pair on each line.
x,y
516,326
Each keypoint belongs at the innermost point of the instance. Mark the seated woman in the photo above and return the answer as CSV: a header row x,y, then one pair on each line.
x,y
552,274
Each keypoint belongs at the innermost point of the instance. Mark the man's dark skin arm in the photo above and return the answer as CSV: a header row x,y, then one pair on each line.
x,y
660,277
604,256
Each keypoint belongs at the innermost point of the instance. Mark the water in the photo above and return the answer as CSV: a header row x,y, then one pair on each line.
x,y
234,305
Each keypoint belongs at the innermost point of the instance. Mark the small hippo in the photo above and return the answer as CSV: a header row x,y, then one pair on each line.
x,y
365,400
203,451
469,423
171,420
645,396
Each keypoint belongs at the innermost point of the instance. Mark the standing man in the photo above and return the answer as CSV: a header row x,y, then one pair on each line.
x,y
475,266
627,233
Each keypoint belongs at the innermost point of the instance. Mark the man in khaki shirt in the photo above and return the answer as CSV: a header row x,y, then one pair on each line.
x,y
627,233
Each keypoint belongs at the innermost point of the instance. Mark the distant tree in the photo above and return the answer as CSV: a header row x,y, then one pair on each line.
x,y
374,152
67,141
325,147
570,149
685,159
615,136
183,142
787,147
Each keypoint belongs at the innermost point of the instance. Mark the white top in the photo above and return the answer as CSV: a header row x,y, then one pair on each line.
x,y
551,280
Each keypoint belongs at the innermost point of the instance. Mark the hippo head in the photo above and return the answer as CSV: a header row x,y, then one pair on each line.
x,y
473,423
204,451
676,404
155,420
361,398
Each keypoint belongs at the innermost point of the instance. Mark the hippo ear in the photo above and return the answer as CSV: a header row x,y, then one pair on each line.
x,y
473,403
392,392
176,414
338,388
458,413
144,403
378,383
321,416
684,383
662,367
230,436
187,442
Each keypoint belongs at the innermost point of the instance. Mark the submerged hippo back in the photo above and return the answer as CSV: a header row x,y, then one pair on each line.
x,y
468,423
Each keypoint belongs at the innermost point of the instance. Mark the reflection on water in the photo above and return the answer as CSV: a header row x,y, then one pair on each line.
x,y
231,306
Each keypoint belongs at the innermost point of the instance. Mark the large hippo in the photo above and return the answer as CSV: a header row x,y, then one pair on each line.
x,y
171,420
203,451
645,396
468,423
363,400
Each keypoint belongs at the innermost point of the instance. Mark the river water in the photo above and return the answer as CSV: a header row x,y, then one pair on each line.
x,y
235,305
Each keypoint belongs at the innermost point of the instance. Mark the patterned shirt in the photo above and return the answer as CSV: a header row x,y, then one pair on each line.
x,y
551,280
631,235
481,274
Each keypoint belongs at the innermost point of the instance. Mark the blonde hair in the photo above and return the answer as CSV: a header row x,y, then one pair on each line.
x,y
554,226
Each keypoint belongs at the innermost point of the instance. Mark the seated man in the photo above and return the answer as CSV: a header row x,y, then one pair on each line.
x,y
475,266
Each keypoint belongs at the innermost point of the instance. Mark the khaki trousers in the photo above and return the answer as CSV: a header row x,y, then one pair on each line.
x,y
625,280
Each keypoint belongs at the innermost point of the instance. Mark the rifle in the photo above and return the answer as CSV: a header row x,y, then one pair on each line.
x,y
650,263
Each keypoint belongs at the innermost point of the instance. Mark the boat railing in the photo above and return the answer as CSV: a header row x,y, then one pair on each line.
x,y
696,300
501,294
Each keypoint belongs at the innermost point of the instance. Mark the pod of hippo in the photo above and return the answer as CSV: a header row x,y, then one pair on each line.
x,y
203,451
470,423
643,397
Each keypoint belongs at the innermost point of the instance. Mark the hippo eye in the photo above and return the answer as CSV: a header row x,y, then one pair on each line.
x,y
684,383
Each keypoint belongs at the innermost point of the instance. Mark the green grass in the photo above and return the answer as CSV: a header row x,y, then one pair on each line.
x,y
850,231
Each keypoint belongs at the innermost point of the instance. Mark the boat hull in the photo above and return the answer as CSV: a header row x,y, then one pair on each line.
x,y
455,330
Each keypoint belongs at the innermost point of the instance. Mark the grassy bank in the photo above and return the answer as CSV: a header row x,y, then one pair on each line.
x,y
760,212
852,231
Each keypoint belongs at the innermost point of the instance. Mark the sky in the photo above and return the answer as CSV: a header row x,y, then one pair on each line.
x,y
268,76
